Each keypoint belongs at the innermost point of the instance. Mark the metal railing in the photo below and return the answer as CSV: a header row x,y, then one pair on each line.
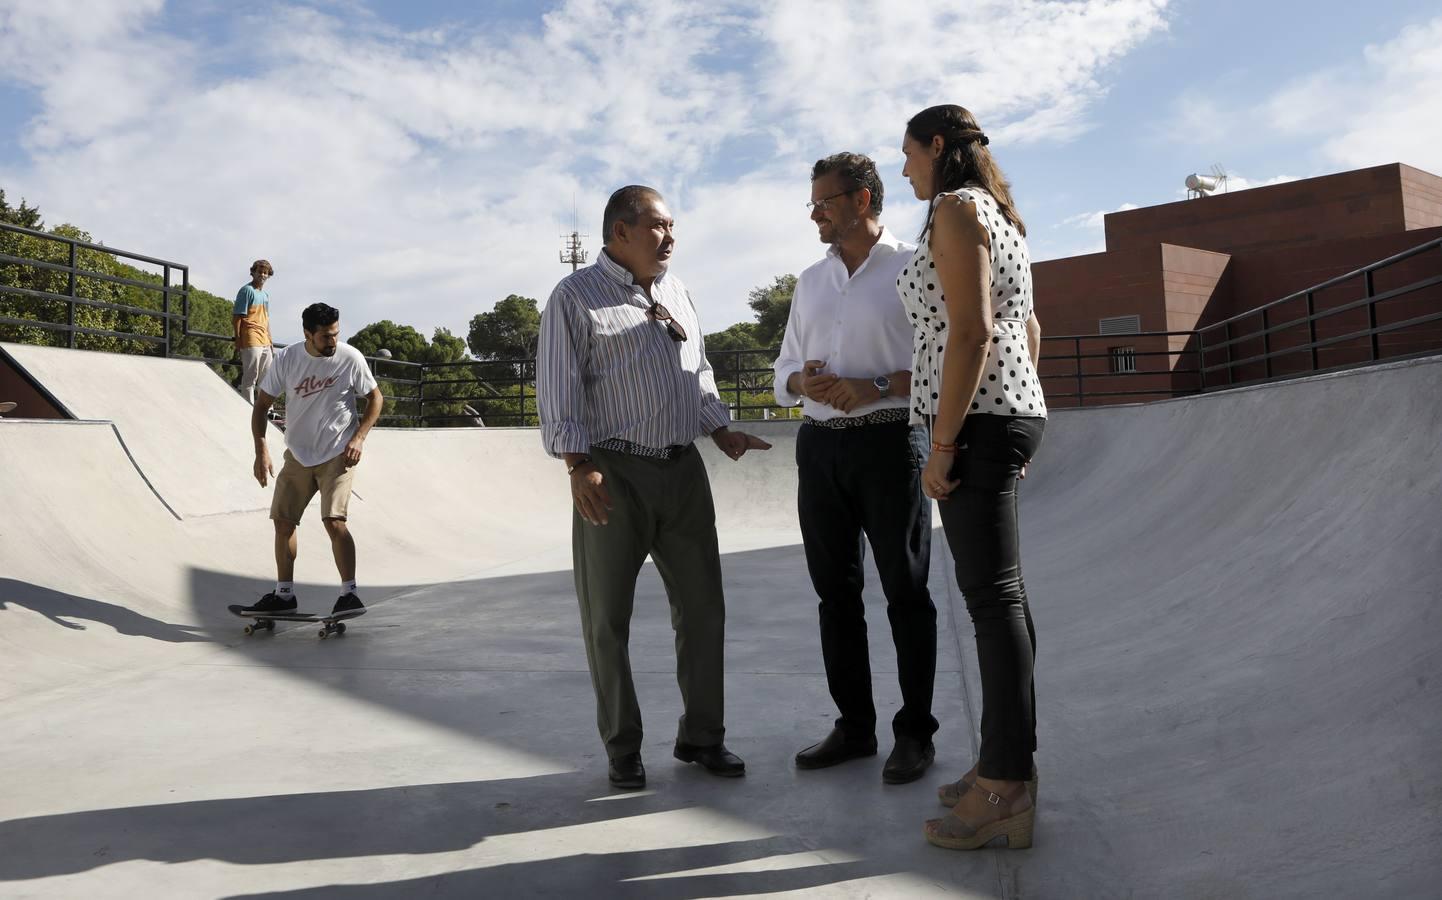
x,y
493,393
74,274
1076,368
1135,383
1365,343
502,392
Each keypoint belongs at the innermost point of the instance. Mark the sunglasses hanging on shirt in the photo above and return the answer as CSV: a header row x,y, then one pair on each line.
x,y
662,314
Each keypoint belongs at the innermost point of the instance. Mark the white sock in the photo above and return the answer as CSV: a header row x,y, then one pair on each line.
x,y
285,588
349,586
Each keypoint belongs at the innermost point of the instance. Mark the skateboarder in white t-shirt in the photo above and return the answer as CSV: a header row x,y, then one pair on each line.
x,y
320,380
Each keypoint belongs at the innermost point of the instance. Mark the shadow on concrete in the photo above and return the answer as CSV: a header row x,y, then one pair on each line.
x,y
58,607
410,820
608,874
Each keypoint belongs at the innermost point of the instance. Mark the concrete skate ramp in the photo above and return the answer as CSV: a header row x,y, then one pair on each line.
x,y
185,427
1238,675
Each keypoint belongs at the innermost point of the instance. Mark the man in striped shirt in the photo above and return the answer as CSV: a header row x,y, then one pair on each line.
x,y
624,389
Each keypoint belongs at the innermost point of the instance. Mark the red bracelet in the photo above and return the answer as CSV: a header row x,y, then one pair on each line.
x,y
937,447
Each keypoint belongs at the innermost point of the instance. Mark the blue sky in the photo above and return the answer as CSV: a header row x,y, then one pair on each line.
x,y
417,161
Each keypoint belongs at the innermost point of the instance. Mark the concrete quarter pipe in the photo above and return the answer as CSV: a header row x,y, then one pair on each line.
x,y
1239,675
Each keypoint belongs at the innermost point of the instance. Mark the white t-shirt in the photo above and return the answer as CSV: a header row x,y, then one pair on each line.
x,y
320,392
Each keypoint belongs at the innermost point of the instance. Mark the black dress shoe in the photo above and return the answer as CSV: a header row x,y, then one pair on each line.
x,y
716,759
837,748
909,759
627,772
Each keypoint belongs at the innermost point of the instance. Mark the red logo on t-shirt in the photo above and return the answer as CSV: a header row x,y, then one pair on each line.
x,y
312,385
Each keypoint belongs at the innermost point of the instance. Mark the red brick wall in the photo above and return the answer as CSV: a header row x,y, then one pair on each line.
x,y
1198,262
1421,198
1257,279
1348,205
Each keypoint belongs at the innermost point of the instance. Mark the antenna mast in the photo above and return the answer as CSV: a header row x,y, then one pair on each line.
x,y
571,251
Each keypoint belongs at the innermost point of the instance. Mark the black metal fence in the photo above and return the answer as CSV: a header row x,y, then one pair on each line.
x,y
1327,327
63,256
1323,328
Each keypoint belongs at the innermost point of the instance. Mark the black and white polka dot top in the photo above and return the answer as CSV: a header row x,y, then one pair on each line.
x,y
1009,386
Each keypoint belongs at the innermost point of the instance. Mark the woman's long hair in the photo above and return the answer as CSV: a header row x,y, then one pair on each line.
x,y
964,159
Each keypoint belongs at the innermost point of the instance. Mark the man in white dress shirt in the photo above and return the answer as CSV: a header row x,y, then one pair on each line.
x,y
846,357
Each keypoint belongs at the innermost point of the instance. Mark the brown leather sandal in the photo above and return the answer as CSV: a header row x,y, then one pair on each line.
x,y
949,794
1018,815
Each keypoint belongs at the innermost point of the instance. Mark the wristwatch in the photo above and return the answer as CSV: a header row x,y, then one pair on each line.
x,y
583,461
882,383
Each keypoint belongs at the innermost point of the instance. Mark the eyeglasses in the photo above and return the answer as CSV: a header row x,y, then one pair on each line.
x,y
662,314
812,205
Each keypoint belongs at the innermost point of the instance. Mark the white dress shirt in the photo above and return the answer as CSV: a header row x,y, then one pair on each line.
x,y
855,323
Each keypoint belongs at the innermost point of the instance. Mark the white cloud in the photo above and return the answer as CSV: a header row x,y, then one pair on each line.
x,y
1383,106
853,71
1092,221
1080,234
423,176
1386,107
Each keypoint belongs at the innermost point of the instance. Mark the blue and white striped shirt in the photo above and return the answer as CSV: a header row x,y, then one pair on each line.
x,y
606,369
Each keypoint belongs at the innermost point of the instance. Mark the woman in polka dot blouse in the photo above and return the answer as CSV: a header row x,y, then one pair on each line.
x,y
968,292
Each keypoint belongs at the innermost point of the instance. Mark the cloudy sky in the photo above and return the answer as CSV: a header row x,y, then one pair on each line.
x,y
417,160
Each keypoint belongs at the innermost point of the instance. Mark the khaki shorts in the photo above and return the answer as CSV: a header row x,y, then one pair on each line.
x,y
296,485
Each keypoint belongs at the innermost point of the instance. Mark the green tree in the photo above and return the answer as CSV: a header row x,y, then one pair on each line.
x,y
507,332
23,215
772,305
400,383
402,341
207,312
452,392
722,347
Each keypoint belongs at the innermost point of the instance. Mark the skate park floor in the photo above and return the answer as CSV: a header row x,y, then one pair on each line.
x,y
1238,675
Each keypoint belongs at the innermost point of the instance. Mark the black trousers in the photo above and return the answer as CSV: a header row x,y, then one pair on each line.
x,y
867,481
981,529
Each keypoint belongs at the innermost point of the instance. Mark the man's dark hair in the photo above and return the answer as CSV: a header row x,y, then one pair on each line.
x,y
856,171
625,206
317,316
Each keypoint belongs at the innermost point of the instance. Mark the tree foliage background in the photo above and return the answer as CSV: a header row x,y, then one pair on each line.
x,y
456,389
23,286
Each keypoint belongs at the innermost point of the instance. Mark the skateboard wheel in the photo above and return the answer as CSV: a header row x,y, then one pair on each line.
x,y
340,628
324,633
249,629
270,625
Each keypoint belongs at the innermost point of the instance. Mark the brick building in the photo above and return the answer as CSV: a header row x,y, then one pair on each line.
x,y
1182,266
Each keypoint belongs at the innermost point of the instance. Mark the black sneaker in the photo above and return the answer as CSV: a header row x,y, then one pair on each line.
x,y
273,603
348,603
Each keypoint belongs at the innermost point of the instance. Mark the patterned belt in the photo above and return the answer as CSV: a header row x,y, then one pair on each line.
x,y
888,416
624,446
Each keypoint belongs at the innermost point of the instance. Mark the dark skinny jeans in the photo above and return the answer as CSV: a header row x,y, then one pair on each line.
x,y
980,522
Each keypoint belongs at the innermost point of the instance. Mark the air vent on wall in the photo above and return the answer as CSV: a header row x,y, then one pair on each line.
x,y
1120,325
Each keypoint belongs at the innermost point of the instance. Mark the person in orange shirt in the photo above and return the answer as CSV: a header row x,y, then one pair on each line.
x,y
251,318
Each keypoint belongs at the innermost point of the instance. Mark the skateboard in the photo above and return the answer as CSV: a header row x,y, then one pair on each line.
x,y
329,625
